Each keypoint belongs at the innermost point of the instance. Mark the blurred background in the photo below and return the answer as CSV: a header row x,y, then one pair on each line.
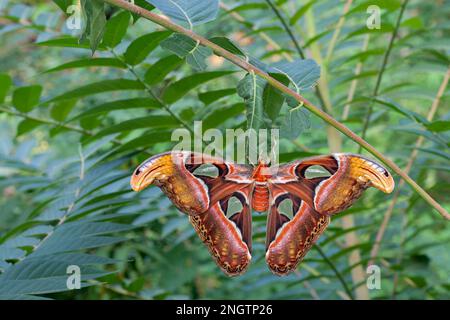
x,y
72,133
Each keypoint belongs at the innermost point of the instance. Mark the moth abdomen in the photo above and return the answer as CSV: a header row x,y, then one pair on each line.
x,y
260,200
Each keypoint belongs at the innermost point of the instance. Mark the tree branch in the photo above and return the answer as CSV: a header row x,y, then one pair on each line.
x,y
46,121
287,28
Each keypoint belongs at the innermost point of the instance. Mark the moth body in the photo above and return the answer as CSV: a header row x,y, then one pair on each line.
x,y
260,196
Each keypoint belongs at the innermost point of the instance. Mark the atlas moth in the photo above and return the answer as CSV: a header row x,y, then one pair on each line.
x,y
262,188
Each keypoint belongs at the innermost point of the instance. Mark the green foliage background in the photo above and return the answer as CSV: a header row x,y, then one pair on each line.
x,y
74,124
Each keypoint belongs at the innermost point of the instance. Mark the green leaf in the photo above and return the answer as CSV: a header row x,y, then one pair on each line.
x,y
385,28
300,12
222,114
437,152
362,56
126,104
303,74
48,273
27,125
294,123
190,13
180,88
11,289
116,29
68,42
92,62
251,89
8,253
413,23
158,71
148,139
20,241
249,6
90,123
418,281
384,101
136,285
389,5
141,47
361,75
316,38
79,229
431,54
185,47
21,297
63,4
8,162
143,4
212,96
26,98
60,110
290,156
273,98
95,19
100,87
425,133
5,85
154,121
438,126
276,53
228,45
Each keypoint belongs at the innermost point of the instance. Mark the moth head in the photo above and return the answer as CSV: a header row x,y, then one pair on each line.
x,y
154,170
262,171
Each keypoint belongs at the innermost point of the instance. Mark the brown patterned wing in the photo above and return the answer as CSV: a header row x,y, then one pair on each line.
x,y
169,171
205,199
349,176
313,201
173,172
228,240
294,239
288,240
